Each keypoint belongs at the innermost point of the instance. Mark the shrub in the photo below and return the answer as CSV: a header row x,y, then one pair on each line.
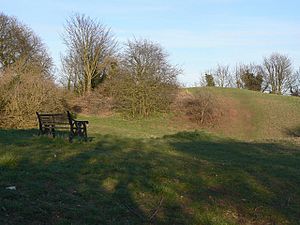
x,y
251,81
22,95
201,107
209,80
142,99
145,82
97,102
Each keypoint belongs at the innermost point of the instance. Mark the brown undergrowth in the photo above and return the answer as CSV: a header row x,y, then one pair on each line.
x,y
206,110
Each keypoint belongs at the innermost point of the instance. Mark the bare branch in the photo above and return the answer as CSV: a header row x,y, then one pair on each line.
x,y
277,73
90,46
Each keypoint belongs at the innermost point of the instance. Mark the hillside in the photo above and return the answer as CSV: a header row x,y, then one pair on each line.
x,y
247,115
255,115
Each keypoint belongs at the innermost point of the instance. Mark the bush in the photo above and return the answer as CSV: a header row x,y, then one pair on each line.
x,y
97,102
201,107
142,99
145,82
251,81
209,80
22,94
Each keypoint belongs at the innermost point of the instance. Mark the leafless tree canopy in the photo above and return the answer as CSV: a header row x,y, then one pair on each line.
x,y
297,78
90,51
295,87
278,73
144,60
274,75
146,81
18,44
222,76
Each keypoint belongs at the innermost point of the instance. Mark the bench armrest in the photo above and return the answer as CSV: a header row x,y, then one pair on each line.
x,y
77,121
81,121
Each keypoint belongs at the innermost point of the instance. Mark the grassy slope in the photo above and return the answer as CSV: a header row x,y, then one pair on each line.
x,y
248,115
142,172
254,115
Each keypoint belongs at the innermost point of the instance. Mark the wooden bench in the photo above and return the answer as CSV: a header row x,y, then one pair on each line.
x,y
50,123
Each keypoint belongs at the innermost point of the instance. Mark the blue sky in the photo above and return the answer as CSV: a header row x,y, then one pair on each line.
x,y
197,34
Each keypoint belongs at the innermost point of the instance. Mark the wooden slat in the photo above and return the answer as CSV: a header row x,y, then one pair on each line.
x,y
59,127
55,114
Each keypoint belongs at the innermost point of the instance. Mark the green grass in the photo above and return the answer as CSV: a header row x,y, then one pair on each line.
x,y
183,178
139,128
160,170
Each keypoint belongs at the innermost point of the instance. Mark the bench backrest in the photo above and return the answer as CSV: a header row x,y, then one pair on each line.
x,y
62,120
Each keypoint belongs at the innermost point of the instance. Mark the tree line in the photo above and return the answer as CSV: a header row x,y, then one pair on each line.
x,y
135,78
138,76
274,75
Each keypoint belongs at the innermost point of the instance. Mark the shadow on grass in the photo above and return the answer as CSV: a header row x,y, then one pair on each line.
x,y
12,136
263,176
187,178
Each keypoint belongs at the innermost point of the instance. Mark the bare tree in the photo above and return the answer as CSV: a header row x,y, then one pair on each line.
x,y
239,70
295,87
18,44
277,73
90,49
147,60
297,78
147,81
222,76
71,73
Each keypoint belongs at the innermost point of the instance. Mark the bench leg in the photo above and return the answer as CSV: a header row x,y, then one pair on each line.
x,y
52,131
85,133
71,137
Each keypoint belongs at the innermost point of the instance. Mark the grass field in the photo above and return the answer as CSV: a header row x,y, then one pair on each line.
x,y
158,171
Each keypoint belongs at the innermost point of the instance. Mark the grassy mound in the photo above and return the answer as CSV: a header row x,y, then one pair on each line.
x,y
255,115
246,115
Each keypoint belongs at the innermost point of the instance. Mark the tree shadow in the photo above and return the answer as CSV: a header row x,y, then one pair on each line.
x,y
186,178
257,175
13,136
108,182
23,133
